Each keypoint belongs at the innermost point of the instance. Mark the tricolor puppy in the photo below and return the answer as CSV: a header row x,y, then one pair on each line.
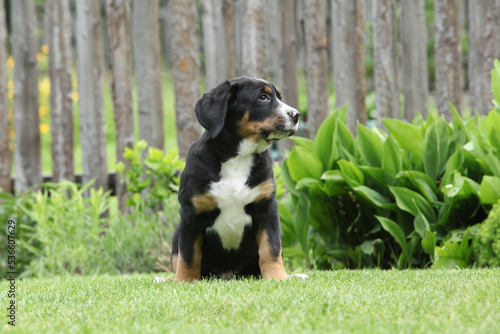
x,y
229,213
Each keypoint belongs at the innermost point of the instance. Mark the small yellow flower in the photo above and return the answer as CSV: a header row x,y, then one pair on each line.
x,y
42,111
76,96
10,62
10,95
12,134
44,87
44,128
45,49
10,85
11,147
40,57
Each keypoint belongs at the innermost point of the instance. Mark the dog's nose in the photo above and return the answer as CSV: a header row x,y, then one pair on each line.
x,y
294,114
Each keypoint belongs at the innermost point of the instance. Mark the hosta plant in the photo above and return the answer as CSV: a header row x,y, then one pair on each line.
x,y
403,198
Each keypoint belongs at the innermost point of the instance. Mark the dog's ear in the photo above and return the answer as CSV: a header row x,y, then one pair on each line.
x,y
211,108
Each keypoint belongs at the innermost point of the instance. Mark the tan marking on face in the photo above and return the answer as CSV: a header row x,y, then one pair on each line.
x,y
268,89
185,272
279,91
266,190
204,203
251,129
270,267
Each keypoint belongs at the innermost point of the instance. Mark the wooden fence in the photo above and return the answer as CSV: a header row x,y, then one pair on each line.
x,y
355,42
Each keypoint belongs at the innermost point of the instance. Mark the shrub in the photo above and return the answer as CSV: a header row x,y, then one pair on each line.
x,y
11,208
61,231
487,241
150,177
383,199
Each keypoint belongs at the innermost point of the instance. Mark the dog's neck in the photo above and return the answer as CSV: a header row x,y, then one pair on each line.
x,y
248,147
227,147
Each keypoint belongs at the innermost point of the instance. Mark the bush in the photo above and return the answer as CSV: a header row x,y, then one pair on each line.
x,y
59,231
385,200
150,177
487,241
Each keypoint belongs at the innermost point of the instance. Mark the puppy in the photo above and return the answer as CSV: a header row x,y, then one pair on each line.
x,y
229,213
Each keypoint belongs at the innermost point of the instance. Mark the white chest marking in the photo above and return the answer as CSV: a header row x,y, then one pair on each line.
x,y
232,195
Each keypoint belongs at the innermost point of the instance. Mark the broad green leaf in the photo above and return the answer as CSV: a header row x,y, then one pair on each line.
x,y
449,256
301,221
302,163
493,137
395,231
303,142
494,163
372,196
291,252
429,244
462,187
455,163
490,190
369,146
408,136
345,139
495,81
334,182
421,225
437,143
448,263
352,174
391,161
306,183
412,202
287,179
422,182
382,177
323,142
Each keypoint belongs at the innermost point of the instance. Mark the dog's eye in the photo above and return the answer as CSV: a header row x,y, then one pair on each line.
x,y
264,98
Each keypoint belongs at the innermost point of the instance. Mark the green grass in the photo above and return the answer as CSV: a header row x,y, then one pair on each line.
x,y
371,301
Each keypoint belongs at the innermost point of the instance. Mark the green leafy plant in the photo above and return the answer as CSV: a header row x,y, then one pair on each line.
x,y
487,240
395,198
64,232
66,237
11,209
150,177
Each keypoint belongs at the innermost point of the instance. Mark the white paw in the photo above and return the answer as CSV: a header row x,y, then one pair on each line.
x,y
301,276
161,280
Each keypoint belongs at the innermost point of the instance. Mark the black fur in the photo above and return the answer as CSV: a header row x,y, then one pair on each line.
x,y
219,111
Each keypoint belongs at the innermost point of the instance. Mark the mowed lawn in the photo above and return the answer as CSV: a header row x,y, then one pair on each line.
x,y
344,301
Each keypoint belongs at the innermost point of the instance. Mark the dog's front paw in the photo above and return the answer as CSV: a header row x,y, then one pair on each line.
x,y
301,276
162,280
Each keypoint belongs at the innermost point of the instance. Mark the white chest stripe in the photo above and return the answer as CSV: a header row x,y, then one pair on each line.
x,y
232,195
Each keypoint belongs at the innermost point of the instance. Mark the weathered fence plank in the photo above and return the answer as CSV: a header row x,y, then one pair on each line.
x,y
288,57
484,47
254,46
348,59
89,64
61,102
5,155
146,48
316,67
448,56
385,56
414,54
186,72
24,41
118,14
214,42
